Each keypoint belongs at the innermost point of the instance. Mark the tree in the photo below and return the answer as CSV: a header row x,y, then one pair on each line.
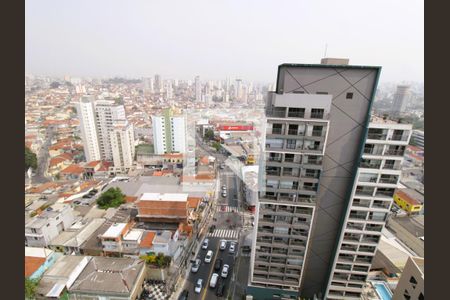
x,y
216,145
30,159
209,134
113,197
54,85
30,288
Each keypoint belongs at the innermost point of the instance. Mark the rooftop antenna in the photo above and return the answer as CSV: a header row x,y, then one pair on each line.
x,y
325,53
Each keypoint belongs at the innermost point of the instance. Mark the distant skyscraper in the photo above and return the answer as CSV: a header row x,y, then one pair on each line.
x,y
158,83
401,98
169,90
198,89
169,133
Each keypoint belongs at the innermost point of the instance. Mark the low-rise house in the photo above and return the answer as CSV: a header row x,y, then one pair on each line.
x,y
72,172
409,200
59,162
58,278
38,260
161,243
166,208
40,230
70,241
109,278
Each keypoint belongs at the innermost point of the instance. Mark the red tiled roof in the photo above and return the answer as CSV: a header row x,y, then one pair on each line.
x,y
93,164
73,169
407,197
193,201
32,264
129,199
147,241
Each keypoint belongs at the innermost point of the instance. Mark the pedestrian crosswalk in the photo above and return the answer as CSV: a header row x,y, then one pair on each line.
x,y
227,208
230,234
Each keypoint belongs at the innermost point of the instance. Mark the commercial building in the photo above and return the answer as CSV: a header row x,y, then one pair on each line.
x,y
409,200
167,208
169,133
412,282
376,180
317,122
401,98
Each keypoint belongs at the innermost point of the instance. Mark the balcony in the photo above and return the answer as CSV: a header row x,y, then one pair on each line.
x,y
272,173
394,152
373,151
275,159
377,136
317,115
370,240
275,131
296,114
293,132
399,137
318,133
368,165
392,180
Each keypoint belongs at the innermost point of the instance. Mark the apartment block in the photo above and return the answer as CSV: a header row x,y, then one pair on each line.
x,y
169,133
317,121
412,282
375,184
122,145
40,230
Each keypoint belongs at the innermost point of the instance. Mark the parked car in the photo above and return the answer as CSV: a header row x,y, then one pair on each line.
x,y
213,281
198,286
232,248
208,256
77,202
224,194
224,187
225,269
184,295
220,289
196,265
218,264
205,244
223,245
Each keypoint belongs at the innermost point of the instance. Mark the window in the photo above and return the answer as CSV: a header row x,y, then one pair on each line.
x,y
295,112
321,93
413,281
421,296
406,295
349,96
317,113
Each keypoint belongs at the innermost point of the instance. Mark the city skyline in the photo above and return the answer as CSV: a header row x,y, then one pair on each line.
x,y
58,43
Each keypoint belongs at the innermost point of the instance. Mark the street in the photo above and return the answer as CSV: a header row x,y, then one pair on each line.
x,y
228,221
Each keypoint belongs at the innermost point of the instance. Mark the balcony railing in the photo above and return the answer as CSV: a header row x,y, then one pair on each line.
x,y
372,151
370,165
293,132
296,114
275,131
275,159
398,137
272,173
376,136
385,193
389,180
317,133
276,113
317,115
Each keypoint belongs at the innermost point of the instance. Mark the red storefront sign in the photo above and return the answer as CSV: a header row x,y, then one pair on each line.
x,y
236,127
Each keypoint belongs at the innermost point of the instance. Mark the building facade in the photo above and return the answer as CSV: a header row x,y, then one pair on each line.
x,y
169,133
401,98
86,115
372,195
317,120
412,282
122,145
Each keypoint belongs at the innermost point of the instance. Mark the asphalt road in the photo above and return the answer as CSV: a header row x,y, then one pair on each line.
x,y
43,158
222,220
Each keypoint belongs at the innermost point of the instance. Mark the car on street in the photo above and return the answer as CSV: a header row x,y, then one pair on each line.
x,y
184,295
232,248
225,269
208,256
224,194
218,264
205,244
196,265
224,187
87,196
222,166
220,289
223,245
198,286
213,281
77,202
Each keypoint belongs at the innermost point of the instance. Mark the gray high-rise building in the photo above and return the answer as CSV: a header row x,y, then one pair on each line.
x,y
401,97
317,122
198,89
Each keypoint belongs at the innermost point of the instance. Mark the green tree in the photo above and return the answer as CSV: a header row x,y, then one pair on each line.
x,y
216,145
30,288
30,159
209,134
113,197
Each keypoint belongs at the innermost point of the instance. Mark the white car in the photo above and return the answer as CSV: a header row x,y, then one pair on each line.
x,y
213,281
198,286
196,265
224,194
225,269
223,245
205,244
208,256
232,248
224,187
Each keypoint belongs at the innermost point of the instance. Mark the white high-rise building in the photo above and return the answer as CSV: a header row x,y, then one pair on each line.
x,y
198,89
86,115
98,121
122,144
107,113
169,133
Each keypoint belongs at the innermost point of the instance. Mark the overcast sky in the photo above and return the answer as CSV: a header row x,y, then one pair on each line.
x,y
220,38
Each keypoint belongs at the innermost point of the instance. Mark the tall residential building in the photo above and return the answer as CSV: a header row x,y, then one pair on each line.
x,y
157,83
122,143
88,128
198,89
376,180
98,120
169,133
107,114
412,282
317,121
401,98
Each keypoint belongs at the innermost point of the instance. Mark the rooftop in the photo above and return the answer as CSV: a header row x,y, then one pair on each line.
x,y
147,241
115,230
133,235
164,197
109,275
32,264
420,262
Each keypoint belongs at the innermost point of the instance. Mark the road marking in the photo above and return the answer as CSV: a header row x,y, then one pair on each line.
x,y
209,276
230,234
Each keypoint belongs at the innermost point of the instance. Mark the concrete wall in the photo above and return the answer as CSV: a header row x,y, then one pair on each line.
x,y
342,153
